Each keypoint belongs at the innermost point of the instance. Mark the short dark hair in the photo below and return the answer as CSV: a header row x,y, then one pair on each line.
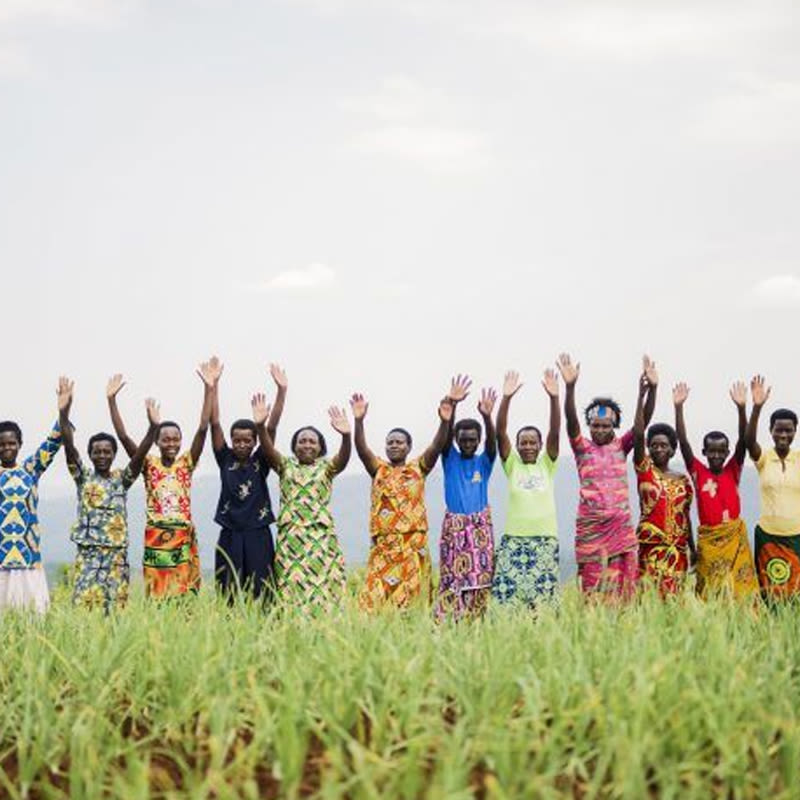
x,y
244,425
467,424
597,402
167,424
7,426
715,435
782,413
525,429
101,437
662,429
323,447
403,431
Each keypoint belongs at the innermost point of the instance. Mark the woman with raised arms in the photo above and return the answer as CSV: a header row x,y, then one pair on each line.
x,y
399,565
309,565
526,565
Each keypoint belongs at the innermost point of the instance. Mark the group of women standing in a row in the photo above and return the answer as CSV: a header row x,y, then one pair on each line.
x,y
307,566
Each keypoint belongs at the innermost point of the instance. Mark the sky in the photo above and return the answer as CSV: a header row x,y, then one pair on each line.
x,y
379,194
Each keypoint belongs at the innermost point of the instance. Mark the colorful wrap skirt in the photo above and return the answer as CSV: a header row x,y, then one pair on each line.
x,y
309,567
663,559
526,570
466,564
102,577
398,571
778,565
724,562
171,561
614,577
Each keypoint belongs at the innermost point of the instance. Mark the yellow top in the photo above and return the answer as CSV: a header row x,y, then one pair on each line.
x,y
780,492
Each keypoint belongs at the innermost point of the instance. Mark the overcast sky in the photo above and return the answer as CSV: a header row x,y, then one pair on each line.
x,y
380,193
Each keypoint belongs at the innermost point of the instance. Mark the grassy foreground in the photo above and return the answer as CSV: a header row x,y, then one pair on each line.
x,y
679,700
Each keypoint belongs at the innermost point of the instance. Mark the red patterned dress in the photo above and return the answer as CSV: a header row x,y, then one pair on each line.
x,y
665,527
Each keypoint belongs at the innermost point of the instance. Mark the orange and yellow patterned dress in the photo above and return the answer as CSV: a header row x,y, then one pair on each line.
x,y
665,526
171,559
399,566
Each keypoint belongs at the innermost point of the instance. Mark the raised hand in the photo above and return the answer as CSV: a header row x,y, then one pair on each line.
x,y
359,406
260,408
215,368
339,421
206,374
459,388
279,376
739,394
679,393
550,382
759,390
511,383
446,409
649,371
114,385
153,411
64,392
487,401
569,371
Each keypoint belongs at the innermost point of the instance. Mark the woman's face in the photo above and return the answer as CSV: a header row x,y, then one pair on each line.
x,y
529,445
397,447
9,448
307,447
661,450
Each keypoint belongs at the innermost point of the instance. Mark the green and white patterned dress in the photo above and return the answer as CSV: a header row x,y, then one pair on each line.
x,y
309,565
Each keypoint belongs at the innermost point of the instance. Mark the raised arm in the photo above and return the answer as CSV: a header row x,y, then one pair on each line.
x,y
218,442
511,385
639,424
459,390
359,407
65,395
570,373
485,409
154,419
115,384
209,373
760,392
261,411
550,384
679,395
281,384
446,411
341,424
739,397
650,374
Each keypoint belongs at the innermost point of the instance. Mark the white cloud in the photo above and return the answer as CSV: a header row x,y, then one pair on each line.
x,y
77,11
14,60
778,291
313,277
398,99
761,114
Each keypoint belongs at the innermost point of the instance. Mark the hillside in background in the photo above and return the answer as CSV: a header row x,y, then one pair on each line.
x,y
351,509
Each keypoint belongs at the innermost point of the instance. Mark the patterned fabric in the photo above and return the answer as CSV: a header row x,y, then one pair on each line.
x,y
615,578
778,565
466,563
398,571
603,528
102,513
717,493
19,504
171,561
102,578
399,565
526,570
244,502
665,526
724,562
309,565
168,490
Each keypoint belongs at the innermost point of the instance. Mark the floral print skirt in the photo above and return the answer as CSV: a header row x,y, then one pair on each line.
x,y
102,577
778,565
526,570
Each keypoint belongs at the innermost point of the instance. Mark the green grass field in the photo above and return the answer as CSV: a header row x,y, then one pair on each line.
x,y
681,700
